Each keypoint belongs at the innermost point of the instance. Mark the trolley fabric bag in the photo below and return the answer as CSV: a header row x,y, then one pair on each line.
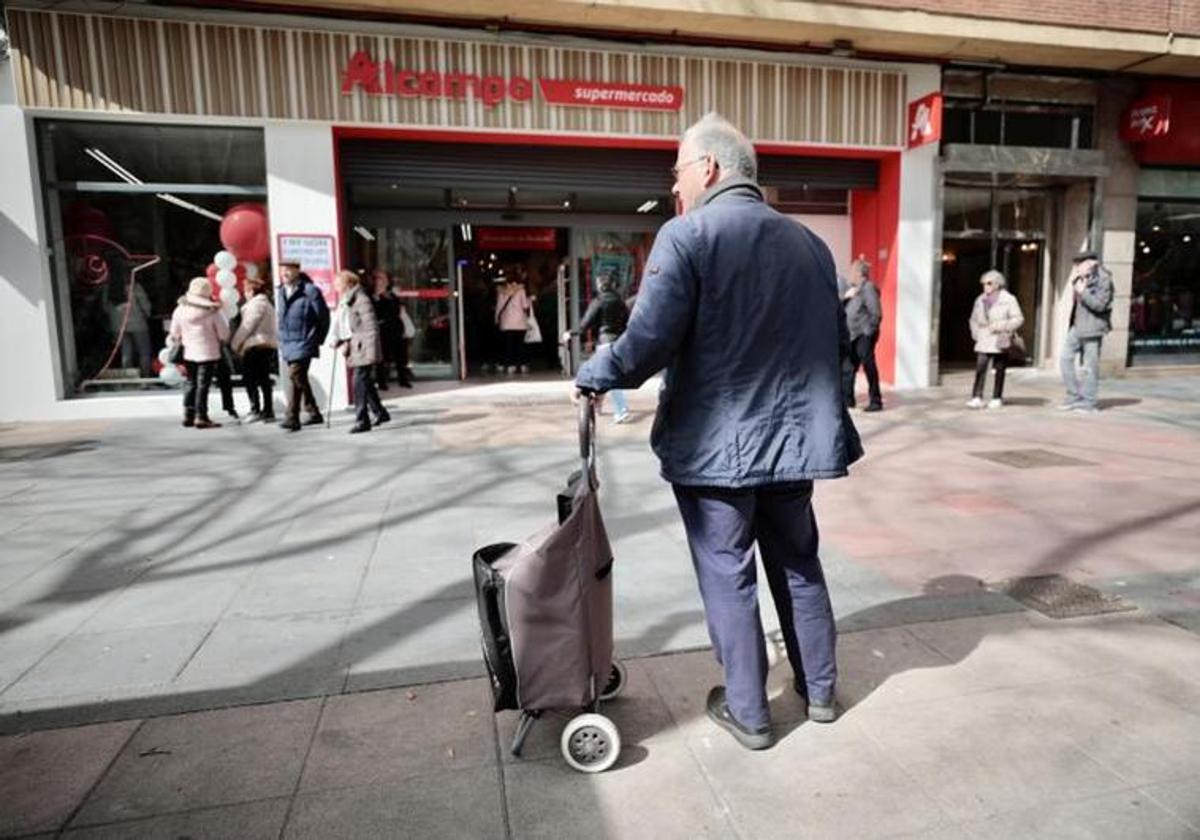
x,y
545,604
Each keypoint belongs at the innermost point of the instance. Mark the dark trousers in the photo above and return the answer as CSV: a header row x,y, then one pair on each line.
x,y
397,353
514,347
1000,363
366,396
722,527
256,376
225,383
862,354
195,395
301,390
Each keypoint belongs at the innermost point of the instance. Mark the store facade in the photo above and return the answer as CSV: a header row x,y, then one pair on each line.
x,y
442,156
1163,128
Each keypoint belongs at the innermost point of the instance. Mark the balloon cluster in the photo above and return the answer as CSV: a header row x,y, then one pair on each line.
x,y
246,235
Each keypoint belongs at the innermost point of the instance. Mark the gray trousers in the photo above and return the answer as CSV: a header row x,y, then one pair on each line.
x,y
1089,348
722,527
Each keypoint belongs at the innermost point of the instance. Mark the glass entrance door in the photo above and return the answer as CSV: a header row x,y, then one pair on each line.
x,y
597,253
419,261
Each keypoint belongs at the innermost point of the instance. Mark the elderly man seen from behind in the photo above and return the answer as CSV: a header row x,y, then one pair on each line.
x,y
739,304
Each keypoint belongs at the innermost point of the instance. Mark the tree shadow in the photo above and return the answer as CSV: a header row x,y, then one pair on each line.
x,y
1117,402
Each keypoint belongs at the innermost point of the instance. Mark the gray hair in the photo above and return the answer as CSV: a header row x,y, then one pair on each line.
x,y
714,135
996,277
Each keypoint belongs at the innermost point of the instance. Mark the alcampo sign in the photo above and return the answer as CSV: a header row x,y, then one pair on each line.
x,y
383,78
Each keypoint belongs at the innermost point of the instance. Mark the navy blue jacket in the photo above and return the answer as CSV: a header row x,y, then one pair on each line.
x,y
303,320
740,304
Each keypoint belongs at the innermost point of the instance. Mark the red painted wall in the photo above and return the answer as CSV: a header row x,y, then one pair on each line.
x,y
875,222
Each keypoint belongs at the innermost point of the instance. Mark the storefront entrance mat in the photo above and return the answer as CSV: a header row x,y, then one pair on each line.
x,y
1031,459
1055,596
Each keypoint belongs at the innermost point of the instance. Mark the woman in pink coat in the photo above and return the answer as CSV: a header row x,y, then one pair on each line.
x,y
197,324
512,317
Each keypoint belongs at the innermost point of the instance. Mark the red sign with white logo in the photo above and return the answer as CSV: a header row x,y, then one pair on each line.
x,y
925,120
611,95
383,78
516,239
1147,118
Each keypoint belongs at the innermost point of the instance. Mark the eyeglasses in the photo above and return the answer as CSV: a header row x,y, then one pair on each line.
x,y
675,170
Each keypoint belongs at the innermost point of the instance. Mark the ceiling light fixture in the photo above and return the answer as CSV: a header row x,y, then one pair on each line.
x,y
647,206
129,178
364,233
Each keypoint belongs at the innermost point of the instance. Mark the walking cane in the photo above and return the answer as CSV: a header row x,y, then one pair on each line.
x,y
332,386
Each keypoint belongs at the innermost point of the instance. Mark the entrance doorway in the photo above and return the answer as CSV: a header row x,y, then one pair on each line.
x,y
990,228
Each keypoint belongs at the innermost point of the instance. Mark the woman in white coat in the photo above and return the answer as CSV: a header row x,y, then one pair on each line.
x,y
995,319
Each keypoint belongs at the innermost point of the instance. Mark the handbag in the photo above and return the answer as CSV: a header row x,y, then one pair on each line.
x,y
410,329
1015,349
175,356
533,332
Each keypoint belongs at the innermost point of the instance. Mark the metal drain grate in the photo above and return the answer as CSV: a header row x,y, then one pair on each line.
x,y
1055,596
1030,459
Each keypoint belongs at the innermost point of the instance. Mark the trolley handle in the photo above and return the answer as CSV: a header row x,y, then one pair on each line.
x,y
587,435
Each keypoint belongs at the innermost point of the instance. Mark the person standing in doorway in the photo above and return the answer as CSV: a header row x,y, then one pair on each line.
x,y
608,315
256,340
512,318
197,324
750,413
864,314
303,325
1091,319
391,331
994,322
356,335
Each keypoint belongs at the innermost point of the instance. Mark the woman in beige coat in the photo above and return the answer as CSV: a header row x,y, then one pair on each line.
x,y
356,333
256,340
995,319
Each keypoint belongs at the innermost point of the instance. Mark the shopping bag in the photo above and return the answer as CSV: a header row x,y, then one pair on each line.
x,y
533,332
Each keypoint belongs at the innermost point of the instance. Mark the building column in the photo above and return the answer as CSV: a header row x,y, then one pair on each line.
x,y
302,193
1119,212
918,247
30,378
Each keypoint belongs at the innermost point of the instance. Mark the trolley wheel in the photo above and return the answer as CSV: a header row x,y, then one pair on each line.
x,y
591,743
617,678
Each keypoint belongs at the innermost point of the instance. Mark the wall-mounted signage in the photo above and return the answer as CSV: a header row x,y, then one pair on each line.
x,y
1147,118
925,120
385,79
317,255
516,238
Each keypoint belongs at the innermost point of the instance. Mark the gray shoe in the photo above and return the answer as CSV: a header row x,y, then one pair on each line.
x,y
718,712
817,712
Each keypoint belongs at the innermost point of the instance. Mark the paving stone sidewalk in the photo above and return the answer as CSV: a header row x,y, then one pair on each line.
x,y
988,727
232,633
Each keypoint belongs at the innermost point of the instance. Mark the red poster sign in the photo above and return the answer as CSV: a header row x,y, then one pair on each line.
x,y
925,120
516,238
610,95
1147,118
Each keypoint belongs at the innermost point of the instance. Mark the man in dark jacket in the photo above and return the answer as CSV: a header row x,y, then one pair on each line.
x,y
303,325
608,315
740,305
864,314
1091,319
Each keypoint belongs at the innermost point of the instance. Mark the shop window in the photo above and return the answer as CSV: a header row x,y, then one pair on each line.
x,y
134,212
1163,318
1000,124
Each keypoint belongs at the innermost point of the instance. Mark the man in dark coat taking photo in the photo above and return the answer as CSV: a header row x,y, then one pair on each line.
x,y
739,304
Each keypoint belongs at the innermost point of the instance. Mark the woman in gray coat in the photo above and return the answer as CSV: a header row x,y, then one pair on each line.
x,y
356,334
995,319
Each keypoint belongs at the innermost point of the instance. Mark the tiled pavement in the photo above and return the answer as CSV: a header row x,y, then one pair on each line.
x,y
162,581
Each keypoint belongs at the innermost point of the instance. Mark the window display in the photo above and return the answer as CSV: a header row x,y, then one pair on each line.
x,y
134,212
1163,320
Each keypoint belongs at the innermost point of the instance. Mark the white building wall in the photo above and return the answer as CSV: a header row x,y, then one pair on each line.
x,y
302,199
29,366
918,246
